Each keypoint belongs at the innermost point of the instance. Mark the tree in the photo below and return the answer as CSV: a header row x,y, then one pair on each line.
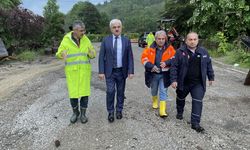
x,y
5,8
229,17
136,15
86,12
7,4
20,28
104,24
181,11
54,20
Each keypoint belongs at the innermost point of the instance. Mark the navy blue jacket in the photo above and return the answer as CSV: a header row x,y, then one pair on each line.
x,y
106,57
179,66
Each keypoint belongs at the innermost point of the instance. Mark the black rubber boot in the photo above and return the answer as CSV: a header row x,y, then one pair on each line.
x,y
179,116
83,117
76,113
198,128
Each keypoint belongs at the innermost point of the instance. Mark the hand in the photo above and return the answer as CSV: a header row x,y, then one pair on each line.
x,y
174,85
163,64
155,69
64,55
210,83
91,52
101,76
130,76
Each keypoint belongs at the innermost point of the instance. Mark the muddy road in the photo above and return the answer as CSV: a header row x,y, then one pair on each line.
x,y
35,111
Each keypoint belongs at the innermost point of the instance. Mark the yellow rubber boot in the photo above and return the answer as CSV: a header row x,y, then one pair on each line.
x,y
163,107
155,102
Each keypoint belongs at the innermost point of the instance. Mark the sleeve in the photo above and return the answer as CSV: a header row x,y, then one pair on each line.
x,y
171,56
61,48
168,62
174,67
210,71
145,60
92,52
130,59
101,58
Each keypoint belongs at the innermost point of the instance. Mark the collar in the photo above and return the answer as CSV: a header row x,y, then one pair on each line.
x,y
154,46
192,51
185,48
115,36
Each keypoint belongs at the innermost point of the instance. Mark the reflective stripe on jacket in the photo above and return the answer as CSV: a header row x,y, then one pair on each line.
x,y
77,65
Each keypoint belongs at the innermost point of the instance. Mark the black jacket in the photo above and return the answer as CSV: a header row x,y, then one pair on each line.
x,y
180,63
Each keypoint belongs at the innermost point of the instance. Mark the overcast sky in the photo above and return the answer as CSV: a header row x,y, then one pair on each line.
x,y
65,5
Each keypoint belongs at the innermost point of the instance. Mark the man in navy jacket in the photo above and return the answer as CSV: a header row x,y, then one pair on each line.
x,y
115,65
191,66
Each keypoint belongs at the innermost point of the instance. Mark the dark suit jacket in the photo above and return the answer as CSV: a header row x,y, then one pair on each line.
x,y
106,57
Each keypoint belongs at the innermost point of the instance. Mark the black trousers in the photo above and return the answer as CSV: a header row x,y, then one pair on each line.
x,y
83,102
197,93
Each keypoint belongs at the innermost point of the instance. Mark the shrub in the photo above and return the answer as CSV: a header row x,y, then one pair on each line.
x,y
223,46
27,56
132,35
242,57
96,37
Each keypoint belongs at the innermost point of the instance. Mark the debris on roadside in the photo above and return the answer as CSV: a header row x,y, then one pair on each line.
x,y
57,143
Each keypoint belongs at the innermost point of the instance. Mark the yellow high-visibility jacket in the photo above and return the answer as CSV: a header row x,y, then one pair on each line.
x,y
77,64
150,39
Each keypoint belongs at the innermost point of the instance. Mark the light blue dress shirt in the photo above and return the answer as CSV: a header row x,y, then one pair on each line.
x,y
119,50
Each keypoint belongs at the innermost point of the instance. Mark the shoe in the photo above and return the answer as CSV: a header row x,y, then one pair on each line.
x,y
83,117
198,128
155,102
118,115
111,117
162,110
179,116
75,114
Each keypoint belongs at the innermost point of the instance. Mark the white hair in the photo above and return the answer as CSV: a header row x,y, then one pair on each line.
x,y
113,21
78,23
161,32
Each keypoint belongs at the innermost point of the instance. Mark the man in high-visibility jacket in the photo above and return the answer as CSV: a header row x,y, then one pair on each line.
x,y
157,60
150,39
76,50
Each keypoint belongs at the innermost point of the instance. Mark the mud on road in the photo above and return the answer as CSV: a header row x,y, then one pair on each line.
x,y
35,111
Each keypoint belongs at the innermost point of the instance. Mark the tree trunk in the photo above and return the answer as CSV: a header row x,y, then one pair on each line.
x,y
247,80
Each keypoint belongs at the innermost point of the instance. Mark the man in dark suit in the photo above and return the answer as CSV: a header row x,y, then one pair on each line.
x,y
115,65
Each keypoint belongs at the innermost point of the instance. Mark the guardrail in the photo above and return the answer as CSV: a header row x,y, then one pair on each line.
x,y
246,42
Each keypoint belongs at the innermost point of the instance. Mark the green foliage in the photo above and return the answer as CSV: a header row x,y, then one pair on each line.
x,y
242,56
7,4
136,15
27,55
238,56
182,11
104,24
132,35
54,20
223,46
99,37
96,37
20,28
230,17
87,12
